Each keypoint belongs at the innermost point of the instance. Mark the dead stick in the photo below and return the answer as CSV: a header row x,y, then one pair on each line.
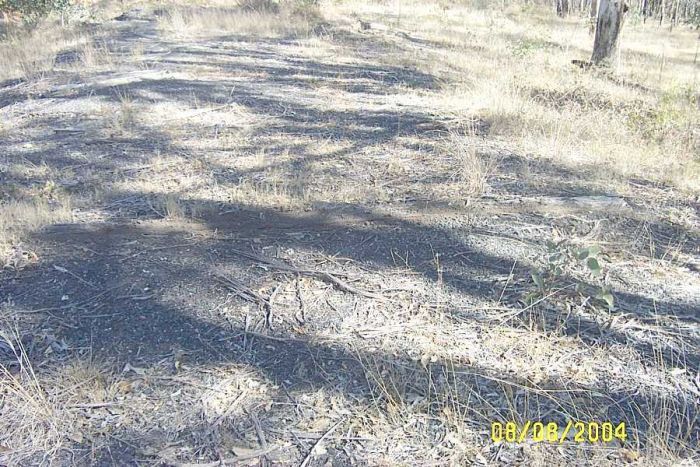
x,y
71,305
325,435
94,405
322,275
66,271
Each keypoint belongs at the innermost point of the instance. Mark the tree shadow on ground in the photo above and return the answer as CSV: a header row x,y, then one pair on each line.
x,y
141,289
296,117
149,291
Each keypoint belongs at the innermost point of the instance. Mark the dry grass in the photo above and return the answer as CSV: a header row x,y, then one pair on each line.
x,y
169,207
18,219
32,54
437,372
515,72
472,167
256,18
95,56
124,118
40,415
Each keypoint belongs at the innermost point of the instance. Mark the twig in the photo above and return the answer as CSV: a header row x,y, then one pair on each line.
x,y
259,430
268,308
514,313
180,245
70,305
136,298
66,271
242,290
321,275
301,314
510,276
198,112
68,130
275,338
307,459
94,405
344,286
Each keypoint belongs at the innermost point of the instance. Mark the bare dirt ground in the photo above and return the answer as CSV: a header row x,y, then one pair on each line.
x,y
266,256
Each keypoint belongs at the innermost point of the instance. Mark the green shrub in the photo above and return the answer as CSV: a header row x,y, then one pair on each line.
x,y
566,261
32,10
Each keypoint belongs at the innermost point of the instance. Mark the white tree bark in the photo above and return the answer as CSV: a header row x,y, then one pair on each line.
x,y
607,31
593,16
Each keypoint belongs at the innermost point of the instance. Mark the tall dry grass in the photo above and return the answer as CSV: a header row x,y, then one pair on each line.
x,y
249,17
32,54
18,218
512,67
41,417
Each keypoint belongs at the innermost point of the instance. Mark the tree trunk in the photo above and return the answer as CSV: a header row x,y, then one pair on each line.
x,y
562,7
607,31
593,16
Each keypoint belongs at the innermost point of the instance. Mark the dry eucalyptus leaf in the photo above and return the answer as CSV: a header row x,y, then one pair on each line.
x,y
630,456
124,387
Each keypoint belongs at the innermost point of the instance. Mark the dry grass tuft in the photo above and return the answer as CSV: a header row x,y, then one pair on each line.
x,y
40,416
32,54
472,168
94,55
19,218
125,119
168,206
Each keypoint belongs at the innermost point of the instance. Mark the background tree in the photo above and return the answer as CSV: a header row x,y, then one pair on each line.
x,y
562,7
607,31
31,10
593,16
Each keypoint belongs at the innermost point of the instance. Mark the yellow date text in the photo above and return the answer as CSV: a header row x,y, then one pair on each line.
x,y
552,432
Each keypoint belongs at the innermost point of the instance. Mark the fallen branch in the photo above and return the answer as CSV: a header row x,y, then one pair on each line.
x,y
321,275
246,293
242,290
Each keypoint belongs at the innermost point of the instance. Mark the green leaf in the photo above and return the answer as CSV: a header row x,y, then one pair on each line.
x,y
537,279
608,298
593,265
531,297
593,251
582,253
